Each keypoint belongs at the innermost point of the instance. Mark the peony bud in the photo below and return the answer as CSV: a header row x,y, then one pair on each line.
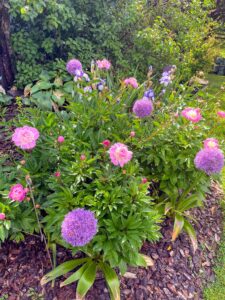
x,y
106,143
61,139
2,216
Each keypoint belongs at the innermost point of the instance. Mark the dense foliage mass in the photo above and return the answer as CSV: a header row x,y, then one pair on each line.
x,y
131,33
100,172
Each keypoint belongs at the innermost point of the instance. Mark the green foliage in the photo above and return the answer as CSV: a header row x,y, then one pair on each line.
x,y
133,34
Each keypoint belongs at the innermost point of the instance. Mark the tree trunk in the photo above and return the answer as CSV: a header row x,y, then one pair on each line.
x,y
7,70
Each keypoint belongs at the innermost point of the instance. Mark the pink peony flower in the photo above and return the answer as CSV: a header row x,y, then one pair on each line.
x,y
61,139
119,154
221,114
192,114
144,180
132,82
25,137
103,64
82,157
2,216
211,143
106,143
132,134
17,193
57,174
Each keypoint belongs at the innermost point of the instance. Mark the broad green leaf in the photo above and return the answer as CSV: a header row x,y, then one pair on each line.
x,y
63,269
41,85
188,203
76,275
87,279
192,234
178,225
112,281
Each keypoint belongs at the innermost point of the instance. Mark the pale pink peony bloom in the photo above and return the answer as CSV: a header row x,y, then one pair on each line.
x,y
221,114
106,143
57,174
25,137
211,143
119,154
82,157
132,134
132,82
144,180
103,64
17,193
61,139
2,216
192,114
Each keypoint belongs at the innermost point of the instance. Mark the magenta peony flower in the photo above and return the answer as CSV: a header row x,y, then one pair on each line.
x,y
2,216
61,139
79,227
144,180
211,143
221,114
25,137
17,192
209,160
192,114
106,143
131,82
103,64
119,154
73,65
143,107
57,174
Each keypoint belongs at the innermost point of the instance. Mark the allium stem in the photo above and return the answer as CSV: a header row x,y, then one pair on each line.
x,y
43,239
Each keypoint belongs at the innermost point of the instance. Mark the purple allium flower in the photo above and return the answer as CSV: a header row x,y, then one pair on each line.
x,y
73,65
209,160
79,227
149,94
143,107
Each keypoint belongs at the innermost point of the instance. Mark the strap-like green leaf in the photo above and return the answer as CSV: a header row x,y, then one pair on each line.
x,y
75,276
188,203
86,281
192,234
63,269
112,281
178,226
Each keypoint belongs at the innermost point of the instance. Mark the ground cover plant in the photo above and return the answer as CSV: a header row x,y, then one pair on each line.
x,y
101,167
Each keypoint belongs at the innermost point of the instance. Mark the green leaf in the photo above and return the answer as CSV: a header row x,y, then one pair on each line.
x,y
62,269
192,234
41,85
141,261
75,276
112,281
178,225
188,203
86,281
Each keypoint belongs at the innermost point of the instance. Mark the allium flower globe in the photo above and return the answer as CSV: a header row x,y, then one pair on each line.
x,y
73,65
192,114
17,193
211,143
131,82
103,64
25,137
79,227
209,160
119,154
143,107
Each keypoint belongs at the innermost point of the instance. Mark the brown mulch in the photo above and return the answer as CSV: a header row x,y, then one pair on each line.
x,y
177,274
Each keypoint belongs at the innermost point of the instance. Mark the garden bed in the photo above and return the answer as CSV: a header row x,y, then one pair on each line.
x,y
177,273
